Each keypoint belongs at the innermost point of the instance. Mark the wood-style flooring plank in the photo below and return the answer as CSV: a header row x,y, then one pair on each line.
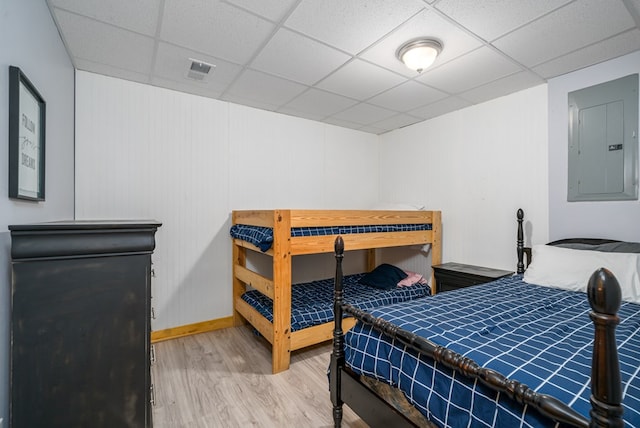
x,y
223,379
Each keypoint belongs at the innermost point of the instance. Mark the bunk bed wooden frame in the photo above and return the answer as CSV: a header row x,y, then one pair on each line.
x,y
606,389
278,288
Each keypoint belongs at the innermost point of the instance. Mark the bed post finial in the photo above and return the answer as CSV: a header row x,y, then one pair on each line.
x,y
337,356
606,390
339,247
520,242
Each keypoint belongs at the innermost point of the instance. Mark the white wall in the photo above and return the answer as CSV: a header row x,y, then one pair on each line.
x,y
29,40
145,152
187,161
611,219
478,166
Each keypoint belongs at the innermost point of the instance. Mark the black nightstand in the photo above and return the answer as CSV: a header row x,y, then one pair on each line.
x,y
450,276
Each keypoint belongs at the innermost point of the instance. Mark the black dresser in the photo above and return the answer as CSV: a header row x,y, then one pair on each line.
x,y
450,276
80,324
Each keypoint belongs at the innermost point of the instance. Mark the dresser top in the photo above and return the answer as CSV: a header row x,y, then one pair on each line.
x,y
86,224
72,239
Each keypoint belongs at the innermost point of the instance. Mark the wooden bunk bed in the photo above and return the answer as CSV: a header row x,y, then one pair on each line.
x,y
285,246
377,402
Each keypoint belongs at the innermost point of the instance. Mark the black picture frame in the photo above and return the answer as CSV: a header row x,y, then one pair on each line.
x,y
27,119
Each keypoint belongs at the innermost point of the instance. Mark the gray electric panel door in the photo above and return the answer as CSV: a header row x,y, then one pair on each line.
x,y
603,141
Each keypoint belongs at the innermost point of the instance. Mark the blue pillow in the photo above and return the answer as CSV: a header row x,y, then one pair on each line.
x,y
261,237
385,276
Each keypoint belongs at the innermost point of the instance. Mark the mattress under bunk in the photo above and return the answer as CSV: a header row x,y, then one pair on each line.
x,y
312,302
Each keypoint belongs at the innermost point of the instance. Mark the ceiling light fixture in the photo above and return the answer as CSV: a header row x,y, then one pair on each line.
x,y
419,54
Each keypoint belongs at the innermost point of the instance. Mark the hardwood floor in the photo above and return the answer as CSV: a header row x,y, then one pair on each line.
x,y
223,379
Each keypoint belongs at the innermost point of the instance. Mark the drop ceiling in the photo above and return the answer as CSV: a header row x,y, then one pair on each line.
x,y
334,60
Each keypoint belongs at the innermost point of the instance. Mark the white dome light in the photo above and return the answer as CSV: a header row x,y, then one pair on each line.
x,y
419,54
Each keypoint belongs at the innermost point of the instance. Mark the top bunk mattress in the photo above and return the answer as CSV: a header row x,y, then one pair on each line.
x,y
262,237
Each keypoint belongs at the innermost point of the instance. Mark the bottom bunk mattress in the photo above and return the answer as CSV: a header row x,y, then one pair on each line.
x,y
540,336
312,302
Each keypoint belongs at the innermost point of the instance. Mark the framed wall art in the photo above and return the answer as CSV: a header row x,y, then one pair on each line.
x,y
26,138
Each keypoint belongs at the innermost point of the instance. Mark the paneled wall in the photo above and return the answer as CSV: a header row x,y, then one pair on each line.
x,y
478,165
29,39
187,161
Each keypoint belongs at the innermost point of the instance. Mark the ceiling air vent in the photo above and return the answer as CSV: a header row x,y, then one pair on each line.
x,y
199,70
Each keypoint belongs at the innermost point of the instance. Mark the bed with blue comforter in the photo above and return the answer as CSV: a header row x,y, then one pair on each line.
x,y
540,336
559,341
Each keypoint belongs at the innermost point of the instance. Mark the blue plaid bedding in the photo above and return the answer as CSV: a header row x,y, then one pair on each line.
x,y
540,336
312,302
262,237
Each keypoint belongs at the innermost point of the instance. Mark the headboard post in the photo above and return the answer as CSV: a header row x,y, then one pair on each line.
x,y
520,242
337,356
606,390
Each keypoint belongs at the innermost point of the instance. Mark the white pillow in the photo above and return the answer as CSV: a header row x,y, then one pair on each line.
x,y
571,269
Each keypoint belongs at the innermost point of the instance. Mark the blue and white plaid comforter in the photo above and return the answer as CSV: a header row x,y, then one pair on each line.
x,y
540,336
312,302
262,237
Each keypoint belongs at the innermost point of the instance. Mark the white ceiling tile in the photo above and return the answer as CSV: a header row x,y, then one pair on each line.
x,y
468,71
407,96
273,10
507,85
351,25
611,48
263,88
172,63
372,130
574,26
397,121
490,19
360,80
298,58
319,103
426,24
83,35
364,114
140,16
440,107
214,28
